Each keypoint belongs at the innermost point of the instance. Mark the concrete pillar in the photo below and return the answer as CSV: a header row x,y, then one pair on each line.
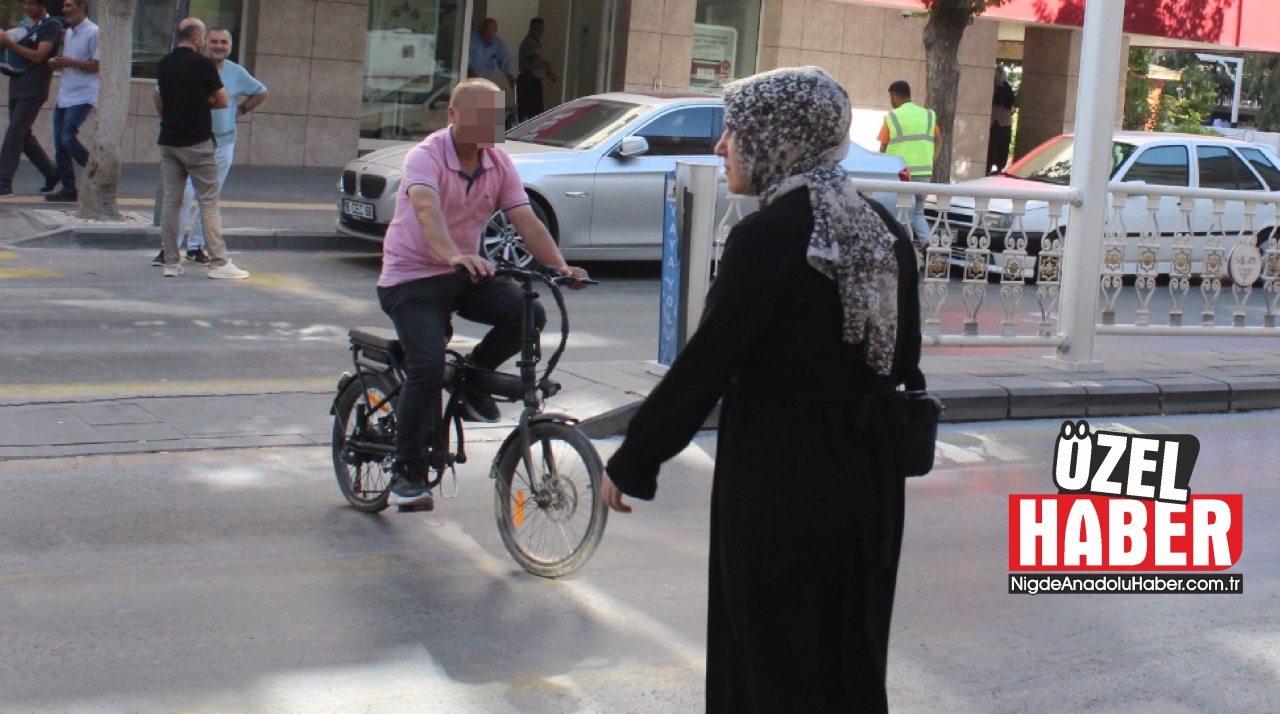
x,y
653,44
1050,78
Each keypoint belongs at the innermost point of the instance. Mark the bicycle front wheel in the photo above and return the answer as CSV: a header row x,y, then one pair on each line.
x,y
364,474
552,519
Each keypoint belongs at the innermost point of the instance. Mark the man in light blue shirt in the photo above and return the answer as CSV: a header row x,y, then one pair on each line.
x,y
77,94
489,53
238,83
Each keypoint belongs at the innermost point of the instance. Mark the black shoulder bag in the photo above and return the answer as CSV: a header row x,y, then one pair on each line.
x,y
912,413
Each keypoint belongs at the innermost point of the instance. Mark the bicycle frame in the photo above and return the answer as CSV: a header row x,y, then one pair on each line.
x,y
391,368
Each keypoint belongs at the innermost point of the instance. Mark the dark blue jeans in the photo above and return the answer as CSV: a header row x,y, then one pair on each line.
x,y
66,143
421,311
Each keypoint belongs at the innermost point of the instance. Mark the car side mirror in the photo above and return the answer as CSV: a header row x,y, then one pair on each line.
x,y
633,146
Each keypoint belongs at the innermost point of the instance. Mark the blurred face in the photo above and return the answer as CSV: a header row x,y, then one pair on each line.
x,y
477,117
536,30
33,8
219,45
73,13
488,31
727,149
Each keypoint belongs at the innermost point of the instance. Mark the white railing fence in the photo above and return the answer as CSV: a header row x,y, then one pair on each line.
x,y
1174,261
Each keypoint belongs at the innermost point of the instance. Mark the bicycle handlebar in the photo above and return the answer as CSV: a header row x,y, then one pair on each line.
x,y
542,273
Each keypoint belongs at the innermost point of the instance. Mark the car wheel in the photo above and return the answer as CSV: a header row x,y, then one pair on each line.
x,y
504,244
1266,240
1263,239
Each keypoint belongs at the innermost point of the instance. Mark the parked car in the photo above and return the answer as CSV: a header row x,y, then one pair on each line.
x,y
1156,159
594,169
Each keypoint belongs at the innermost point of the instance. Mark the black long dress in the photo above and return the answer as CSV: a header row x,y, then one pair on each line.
x,y
807,511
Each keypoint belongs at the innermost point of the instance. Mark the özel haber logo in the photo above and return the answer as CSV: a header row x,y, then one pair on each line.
x,y
1124,503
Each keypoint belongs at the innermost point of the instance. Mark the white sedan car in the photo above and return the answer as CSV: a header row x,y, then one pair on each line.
x,y
1154,159
595,172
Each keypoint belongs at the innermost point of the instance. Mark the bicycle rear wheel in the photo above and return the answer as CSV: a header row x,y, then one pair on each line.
x,y
364,476
551,520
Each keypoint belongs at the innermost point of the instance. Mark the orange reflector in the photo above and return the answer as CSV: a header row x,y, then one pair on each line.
x,y
519,508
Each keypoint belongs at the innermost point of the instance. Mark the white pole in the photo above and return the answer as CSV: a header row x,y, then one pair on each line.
x,y
1095,118
1235,98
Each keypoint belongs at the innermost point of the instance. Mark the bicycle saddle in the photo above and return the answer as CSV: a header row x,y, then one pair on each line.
x,y
377,338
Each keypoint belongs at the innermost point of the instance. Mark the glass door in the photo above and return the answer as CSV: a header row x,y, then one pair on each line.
x,y
588,39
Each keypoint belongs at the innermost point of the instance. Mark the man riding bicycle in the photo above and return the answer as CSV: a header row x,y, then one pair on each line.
x,y
454,180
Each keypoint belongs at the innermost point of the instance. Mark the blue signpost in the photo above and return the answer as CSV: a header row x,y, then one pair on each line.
x,y
669,315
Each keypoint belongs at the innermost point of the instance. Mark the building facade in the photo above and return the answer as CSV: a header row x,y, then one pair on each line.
x,y
352,75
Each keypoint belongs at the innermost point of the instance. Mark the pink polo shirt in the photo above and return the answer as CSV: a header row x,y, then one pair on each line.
x,y
466,201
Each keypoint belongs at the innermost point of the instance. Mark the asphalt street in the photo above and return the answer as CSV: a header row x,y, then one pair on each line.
x,y
217,578
79,316
239,581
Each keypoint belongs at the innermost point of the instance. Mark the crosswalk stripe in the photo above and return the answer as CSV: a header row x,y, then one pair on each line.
x,y
18,273
36,393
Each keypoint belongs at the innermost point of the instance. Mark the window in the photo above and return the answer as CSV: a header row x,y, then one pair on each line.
x,y
412,61
1262,164
1221,168
682,132
580,124
1161,166
725,40
153,30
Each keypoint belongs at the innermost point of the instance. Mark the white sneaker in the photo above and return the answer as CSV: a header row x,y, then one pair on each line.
x,y
173,271
228,272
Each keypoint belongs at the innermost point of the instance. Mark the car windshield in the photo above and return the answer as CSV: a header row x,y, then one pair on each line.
x,y
1051,163
580,124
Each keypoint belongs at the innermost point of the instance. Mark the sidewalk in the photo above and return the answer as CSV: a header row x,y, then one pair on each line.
x,y
269,208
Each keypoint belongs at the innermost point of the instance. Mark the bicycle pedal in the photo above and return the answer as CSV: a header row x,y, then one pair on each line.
x,y
449,493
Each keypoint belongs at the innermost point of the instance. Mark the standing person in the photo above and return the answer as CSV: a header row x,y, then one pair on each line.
x,y
77,95
533,69
453,182
1003,100
238,83
489,53
806,501
912,132
189,89
28,91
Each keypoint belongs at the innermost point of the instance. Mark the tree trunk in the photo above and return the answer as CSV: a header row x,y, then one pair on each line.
x,y
102,175
942,35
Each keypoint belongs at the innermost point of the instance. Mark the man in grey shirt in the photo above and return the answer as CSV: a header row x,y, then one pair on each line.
x,y
533,69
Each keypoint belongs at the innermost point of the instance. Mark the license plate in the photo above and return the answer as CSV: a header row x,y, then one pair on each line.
x,y
357,209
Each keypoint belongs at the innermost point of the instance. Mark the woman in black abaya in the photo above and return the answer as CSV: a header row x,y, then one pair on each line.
x,y
812,318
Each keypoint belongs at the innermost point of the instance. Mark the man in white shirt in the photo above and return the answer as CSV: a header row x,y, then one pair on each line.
x,y
77,95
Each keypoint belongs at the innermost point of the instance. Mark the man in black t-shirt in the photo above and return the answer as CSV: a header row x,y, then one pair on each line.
x,y
188,90
28,91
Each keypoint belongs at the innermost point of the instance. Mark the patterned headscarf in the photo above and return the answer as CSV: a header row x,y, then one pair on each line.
x,y
791,127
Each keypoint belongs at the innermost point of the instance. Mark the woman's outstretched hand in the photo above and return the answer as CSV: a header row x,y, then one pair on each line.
x,y
612,496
